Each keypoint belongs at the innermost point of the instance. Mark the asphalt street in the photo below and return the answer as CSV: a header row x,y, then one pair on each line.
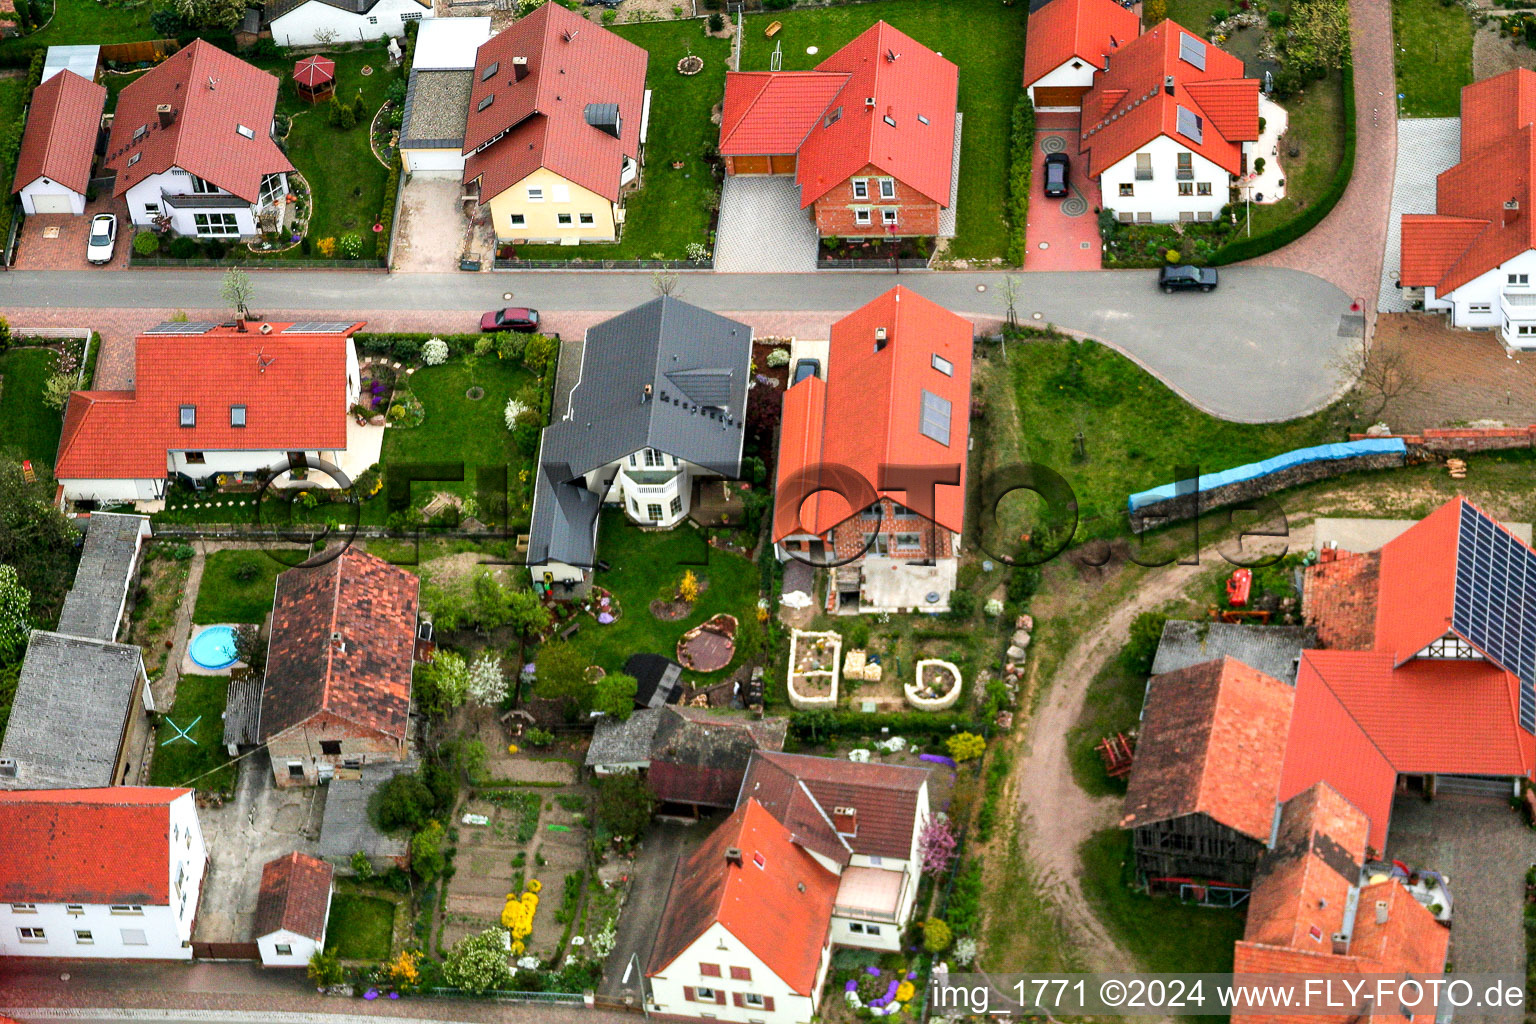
x,y
1258,348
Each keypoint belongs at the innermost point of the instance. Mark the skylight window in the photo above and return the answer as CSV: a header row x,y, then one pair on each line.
x,y
189,415
1190,125
139,132
1192,51
486,102
943,365
935,419
237,415
922,118
490,71
890,120
134,159
245,133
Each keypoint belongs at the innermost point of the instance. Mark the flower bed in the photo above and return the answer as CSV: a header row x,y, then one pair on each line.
x,y
815,661
936,687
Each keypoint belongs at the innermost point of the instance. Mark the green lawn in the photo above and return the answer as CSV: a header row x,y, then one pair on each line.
x,y
237,586
360,927
672,208
986,41
1317,127
1196,14
1066,387
26,424
644,564
1434,56
203,764
88,21
1163,934
459,430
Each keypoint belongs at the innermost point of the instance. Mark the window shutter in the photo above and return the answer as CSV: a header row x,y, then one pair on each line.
x,y
768,1004
688,993
719,997
737,1000
741,974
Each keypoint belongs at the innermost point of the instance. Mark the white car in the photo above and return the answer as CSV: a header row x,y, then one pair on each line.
x,y
103,238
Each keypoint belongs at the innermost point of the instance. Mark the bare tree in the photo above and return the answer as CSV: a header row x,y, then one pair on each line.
x,y
666,282
1378,376
237,290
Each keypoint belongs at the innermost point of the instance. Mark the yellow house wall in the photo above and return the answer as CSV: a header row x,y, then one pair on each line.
x,y
540,218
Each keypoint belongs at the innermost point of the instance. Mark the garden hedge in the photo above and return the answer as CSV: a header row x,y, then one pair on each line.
x,y
1020,169
10,143
387,211
1285,234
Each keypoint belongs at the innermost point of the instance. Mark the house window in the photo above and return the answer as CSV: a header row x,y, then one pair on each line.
x,y
654,457
244,132
634,506
585,219
1186,188
861,188
283,949
126,908
922,119
753,1000
1143,168
134,937
194,458
373,19
834,117
295,769
874,511
189,415
1480,307
563,219
83,937
653,513
1144,217
1526,331
217,225
741,974
704,995
152,209
677,506
907,541
134,159
330,746
237,415
887,215
535,195
518,220
871,929
709,970
486,101
139,132
1127,189
1186,166
1520,279
272,187
861,215
1202,188
935,415
23,908
887,188
203,188
757,858
31,935
490,71
856,928
74,908
410,15
943,365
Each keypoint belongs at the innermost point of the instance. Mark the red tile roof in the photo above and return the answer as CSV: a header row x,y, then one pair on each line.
x,y
919,83
212,94
1139,109
1212,742
803,791
1472,230
99,846
1409,940
1339,599
1256,958
364,677
542,118
868,412
60,139
771,112
295,896
781,910
1085,29
294,388
1302,891
1417,584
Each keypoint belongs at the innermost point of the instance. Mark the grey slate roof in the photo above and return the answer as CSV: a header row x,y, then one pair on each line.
x,y
95,600
695,364
436,109
626,742
1273,650
695,737
73,703
345,829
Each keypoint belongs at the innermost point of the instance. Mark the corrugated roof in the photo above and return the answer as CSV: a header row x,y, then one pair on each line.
x,y
107,567
1084,29
1272,650
60,139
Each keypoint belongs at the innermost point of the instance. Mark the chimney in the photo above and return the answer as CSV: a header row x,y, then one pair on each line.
x,y
869,103
338,644
266,328
1168,84
646,395
733,855
1381,911
167,115
880,337
1511,212
519,68
1340,943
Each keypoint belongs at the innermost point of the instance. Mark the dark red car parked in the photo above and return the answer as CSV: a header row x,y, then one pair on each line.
x,y
513,318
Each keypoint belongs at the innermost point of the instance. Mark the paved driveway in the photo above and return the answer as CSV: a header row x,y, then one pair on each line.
x,y
56,241
432,226
1426,146
1062,234
665,844
762,229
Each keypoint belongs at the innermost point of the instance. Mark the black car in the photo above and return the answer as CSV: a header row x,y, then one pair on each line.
x,y
805,368
1181,279
1058,171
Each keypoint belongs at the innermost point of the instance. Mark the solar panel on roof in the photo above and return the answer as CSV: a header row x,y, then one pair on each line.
x,y
1494,606
1190,125
183,327
935,417
317,327
1192,51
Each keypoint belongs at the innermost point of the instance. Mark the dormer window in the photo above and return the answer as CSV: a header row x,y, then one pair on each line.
x,y
237,415
189,416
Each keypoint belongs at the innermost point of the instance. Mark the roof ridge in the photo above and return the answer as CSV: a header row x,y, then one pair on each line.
x,y
823,812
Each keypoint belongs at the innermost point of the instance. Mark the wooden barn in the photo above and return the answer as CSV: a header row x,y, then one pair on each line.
x,y
1202,798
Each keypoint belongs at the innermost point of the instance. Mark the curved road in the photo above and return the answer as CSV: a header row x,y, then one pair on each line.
x,y
1258,348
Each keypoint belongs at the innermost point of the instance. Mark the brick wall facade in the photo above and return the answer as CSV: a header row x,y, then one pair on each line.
x,y
916,214
303,744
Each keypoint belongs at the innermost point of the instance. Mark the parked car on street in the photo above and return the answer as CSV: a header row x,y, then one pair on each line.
x,y
1058,171
98,248
1184,278
805,368
513,318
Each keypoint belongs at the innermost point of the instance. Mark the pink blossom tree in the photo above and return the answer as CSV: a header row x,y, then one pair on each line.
x,y
936,844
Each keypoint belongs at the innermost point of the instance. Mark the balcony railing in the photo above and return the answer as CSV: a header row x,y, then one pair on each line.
x,y
1185,174
1143,174
863,914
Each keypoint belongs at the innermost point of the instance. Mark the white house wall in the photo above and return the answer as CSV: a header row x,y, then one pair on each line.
x,y
151,191
49,187
1160,197
215,462
305,25
113,490
718,946
1486,290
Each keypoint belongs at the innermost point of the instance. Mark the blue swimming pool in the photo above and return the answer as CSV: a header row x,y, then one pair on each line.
x,y
214,647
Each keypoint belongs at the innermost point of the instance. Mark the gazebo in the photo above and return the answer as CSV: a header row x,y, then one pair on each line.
x,y
316,78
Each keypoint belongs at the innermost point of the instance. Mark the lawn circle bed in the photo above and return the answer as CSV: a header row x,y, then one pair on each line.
x,y
709,647
690,65
475,393
670,611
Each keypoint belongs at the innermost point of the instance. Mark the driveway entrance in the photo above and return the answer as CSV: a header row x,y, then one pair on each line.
x,y
665,844
433,228
1063,233
762,228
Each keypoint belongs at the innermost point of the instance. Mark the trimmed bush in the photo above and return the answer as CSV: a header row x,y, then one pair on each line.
x,y
146,243
1020,169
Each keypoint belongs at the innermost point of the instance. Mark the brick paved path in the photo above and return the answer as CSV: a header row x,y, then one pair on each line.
x,y
1348,246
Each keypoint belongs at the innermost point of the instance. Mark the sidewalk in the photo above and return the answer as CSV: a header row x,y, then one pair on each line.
x,y
242,988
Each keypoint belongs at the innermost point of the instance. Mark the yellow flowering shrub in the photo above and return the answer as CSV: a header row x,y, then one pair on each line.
x,y
905,991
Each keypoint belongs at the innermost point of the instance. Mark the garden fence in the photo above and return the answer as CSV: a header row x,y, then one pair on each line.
x,y
499,996
318,531
255,263
578,264
50,332
824,263
8,256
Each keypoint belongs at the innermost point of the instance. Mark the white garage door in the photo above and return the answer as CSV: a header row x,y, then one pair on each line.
x,y
52,203
435,161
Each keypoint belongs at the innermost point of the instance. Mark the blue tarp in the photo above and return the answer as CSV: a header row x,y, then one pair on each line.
x,y
1254,470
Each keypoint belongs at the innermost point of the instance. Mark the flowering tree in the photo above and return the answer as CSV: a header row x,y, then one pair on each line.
x,y
14,625
478,963
936,844
487,683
